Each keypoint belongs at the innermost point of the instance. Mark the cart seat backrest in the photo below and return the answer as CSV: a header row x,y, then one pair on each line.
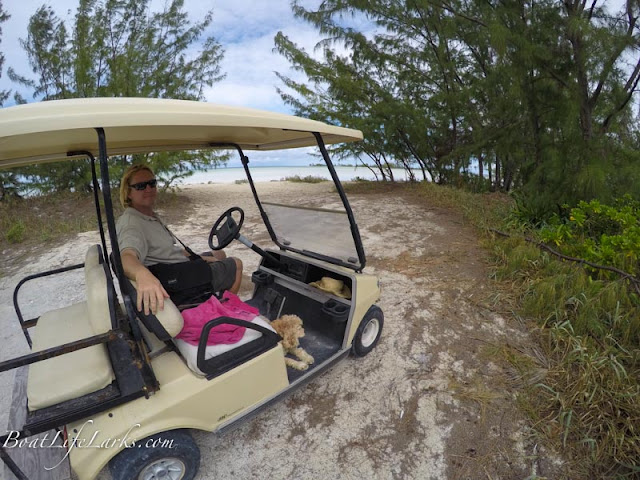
x,y
98,289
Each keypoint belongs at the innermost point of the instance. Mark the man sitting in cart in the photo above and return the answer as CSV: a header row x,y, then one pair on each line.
x,y
144,240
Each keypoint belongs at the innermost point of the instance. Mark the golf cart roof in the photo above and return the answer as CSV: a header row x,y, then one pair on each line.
x,y
47,131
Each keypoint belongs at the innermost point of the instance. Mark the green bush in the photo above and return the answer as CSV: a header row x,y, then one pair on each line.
x,y
602,234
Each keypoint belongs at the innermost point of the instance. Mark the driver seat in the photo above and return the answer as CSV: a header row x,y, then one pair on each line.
x,y
166,324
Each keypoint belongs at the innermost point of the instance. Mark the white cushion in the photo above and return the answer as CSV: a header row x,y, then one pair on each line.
x,y
92,257
170,317
97,298
70,375
190,352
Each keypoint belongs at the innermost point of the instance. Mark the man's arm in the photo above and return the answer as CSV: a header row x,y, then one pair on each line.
x,y
151,293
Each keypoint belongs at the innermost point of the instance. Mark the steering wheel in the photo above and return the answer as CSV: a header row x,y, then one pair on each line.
x,y
226,229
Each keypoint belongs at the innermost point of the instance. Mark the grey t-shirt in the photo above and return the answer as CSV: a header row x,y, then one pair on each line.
x,y
148,238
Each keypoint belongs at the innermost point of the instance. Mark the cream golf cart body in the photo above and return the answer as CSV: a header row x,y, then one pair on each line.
x,y
107,375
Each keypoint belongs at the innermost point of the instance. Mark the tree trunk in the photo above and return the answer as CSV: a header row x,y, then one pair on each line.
x,y
575,36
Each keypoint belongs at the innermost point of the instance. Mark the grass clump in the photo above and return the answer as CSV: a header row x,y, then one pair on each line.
x,y
16,232
588,403
305,179
49,217
483,210
588,325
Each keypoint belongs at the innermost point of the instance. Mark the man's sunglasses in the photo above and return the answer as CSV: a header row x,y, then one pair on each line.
x,y
143,185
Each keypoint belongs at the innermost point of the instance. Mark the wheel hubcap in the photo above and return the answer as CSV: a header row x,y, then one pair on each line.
x,y
163,469
370,332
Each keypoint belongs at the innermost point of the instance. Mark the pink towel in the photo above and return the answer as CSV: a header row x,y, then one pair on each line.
x,y
196,318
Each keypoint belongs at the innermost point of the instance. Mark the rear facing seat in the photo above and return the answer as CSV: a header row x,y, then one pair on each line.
x,y
84,371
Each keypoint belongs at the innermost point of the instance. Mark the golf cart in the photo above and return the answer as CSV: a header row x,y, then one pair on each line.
x,y
113,385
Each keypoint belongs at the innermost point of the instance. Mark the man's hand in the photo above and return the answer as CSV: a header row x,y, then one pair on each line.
x,y
151,293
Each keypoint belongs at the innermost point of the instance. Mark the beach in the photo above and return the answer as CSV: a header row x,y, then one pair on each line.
x,y
274,174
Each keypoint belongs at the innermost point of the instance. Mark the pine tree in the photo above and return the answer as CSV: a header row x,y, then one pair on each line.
x,y
120,48
535,92
8,180
4,16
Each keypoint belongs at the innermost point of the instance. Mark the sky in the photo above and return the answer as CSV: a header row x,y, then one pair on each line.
x,y
245,28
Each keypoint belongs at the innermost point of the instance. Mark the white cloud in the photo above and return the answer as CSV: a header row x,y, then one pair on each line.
x,y
250,66
234,21
298,156
245,28
15,28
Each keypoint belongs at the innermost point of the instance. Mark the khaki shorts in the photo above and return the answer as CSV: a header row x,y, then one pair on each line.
x,y
223,273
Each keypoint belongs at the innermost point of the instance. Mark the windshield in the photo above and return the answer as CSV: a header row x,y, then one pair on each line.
x,y
315,222
313,230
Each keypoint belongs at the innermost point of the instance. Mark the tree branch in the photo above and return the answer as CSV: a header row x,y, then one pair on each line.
x,y
630,87
457,13
608,67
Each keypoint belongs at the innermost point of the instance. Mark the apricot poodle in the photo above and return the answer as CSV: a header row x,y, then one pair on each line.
x,y
289,327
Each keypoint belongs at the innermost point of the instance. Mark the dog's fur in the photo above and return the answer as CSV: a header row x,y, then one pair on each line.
x,y
289,327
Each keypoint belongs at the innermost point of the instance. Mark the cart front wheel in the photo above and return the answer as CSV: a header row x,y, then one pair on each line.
x,y
369,331
171,455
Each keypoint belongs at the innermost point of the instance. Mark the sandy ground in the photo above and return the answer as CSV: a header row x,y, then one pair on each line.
x,y
430,402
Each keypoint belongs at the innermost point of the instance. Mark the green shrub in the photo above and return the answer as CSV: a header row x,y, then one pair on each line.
x,y
307,179
601,234
16,232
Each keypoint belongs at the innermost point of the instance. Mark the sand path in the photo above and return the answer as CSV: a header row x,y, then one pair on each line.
x,y
430,402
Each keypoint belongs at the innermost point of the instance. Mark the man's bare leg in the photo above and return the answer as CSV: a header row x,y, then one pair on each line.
x,y
216,254
235,288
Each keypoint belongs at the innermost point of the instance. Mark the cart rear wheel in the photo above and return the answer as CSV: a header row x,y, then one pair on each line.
x,y
369,331
171,455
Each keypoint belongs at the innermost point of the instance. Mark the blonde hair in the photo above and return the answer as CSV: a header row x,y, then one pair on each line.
x,y
124,183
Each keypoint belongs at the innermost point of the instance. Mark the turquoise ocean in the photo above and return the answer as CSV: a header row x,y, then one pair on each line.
x,y
274,174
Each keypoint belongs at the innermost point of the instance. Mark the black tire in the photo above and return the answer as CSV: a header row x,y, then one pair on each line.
x,y
368,333
178,460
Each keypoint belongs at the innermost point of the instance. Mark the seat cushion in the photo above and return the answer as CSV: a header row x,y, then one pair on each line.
x,y
70,375
93,256
190,352
169,317
98,298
